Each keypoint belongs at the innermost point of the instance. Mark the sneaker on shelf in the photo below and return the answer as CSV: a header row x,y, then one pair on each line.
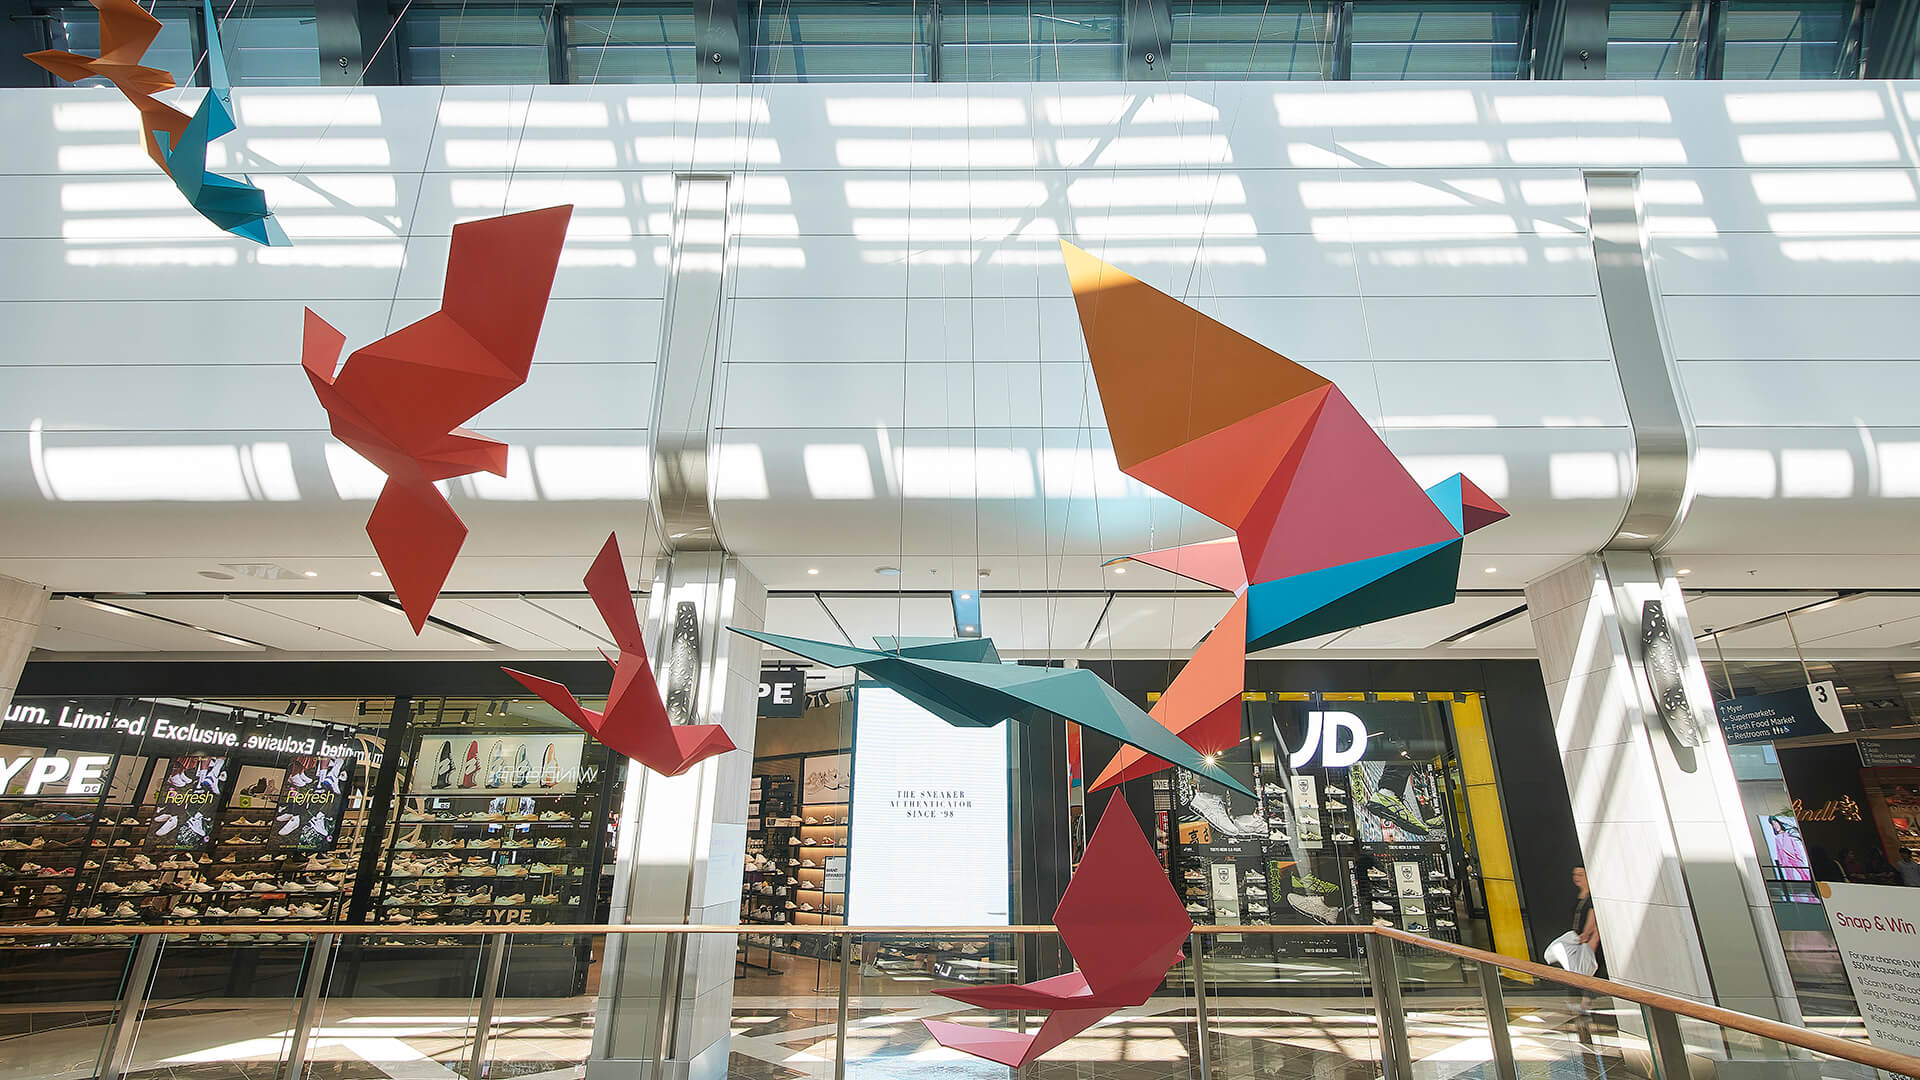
x,y
506,901
1378,906
1335,805
1197,908
183,911
1342,838
1257,909
1388,923
1335,789
214,911
125,911
1376,874
200,887
326,886
108,888
246,912
306,911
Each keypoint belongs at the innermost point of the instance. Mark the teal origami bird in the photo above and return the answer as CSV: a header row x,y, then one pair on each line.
x,y
234,205
962,681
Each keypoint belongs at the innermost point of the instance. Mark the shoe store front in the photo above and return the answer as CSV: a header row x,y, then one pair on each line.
x,y
404,811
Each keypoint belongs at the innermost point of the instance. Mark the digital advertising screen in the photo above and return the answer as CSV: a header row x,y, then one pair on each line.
x,y
930,818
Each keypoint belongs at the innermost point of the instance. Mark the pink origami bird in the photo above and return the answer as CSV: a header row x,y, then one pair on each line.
x,y
1124,925
635,722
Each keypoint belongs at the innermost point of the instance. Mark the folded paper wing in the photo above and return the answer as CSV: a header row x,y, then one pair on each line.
x,y
126,32
1125,927
398,401
635,723
969,692
1330,530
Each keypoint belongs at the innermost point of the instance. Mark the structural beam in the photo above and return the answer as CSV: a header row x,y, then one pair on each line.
x,y
1892,30
1570,40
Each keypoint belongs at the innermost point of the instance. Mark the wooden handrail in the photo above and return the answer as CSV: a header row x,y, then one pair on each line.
x,y
1817,1042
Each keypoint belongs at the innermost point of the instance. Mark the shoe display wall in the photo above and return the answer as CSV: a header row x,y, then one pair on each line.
x,y
796,857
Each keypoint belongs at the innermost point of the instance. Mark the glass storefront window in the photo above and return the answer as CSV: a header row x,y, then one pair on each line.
x,y
278,46
1439,41
1036,41
1654,40
629,43
457,47
840,41
1788,41
1245,40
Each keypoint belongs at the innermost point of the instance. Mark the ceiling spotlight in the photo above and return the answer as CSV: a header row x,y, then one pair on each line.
x,y
1211,758
1493,570
1684,573
375,573
309,573
887,571
966,596
969,629
1119,569
813,570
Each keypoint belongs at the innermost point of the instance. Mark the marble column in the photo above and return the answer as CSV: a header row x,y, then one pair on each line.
x,y
1681,905
22,604
668,1001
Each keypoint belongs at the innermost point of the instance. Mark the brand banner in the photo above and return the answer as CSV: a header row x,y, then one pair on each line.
x,y
499,764
783,692
187,801
31,773
1813,709
929,833
311,803
1877,928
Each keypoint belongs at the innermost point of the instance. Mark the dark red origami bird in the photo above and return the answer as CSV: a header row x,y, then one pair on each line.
x,y
1124,925
636,722
399,401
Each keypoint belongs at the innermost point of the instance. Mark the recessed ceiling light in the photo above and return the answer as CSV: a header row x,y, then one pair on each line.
x,y
966,596
968,629
309,573
1684,573
887,571
813,570
1119,569
215,575
1493,569
375,573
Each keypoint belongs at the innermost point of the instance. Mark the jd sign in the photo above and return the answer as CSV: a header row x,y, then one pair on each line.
x,y
1324,730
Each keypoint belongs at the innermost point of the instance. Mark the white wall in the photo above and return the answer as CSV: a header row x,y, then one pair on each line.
x,y
900,315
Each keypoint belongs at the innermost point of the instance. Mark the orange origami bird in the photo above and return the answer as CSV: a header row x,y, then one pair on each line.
x,y
126,32
635,722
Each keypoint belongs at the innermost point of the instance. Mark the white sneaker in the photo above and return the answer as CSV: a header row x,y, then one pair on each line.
x,y
245,912
1342,838
277,912
1378,906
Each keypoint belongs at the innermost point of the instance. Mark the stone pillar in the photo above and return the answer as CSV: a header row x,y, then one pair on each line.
x,y
22,605
1677,889
682,842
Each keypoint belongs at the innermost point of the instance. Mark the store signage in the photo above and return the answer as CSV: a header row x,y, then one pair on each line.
x,y
499,764
929,824
1813,709
1877,929
1889,753
182,725
308,817
783,692
59,774
1324,731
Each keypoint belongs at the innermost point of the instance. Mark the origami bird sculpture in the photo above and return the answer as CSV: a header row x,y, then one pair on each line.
x,y
175,142
1124,925
635,722
399,400
962,681
1330,531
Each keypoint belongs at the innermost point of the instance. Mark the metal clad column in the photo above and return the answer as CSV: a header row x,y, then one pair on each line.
x,y
1570,40
1662,435
350,32
665,1002
22,605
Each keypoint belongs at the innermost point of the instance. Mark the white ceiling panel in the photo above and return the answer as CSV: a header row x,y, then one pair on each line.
x,y
803,617
75,625
868,617
1164,624
229,616
515,622
1828,625
1320,642
1514,633
378,625
1709,611
1885,635
1039,624
585,618
1424,629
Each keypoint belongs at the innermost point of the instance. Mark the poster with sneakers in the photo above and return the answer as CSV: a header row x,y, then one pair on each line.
x,y
1396,801
826,779
186,803
498,764
308,817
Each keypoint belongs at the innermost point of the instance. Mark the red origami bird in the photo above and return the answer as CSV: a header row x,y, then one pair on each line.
x,y
636,722
1124,925
126,32
399,401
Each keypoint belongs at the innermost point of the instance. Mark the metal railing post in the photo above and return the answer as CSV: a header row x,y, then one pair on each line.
x,y
1203,1052
319,953
847,942
1494,999
1669,1048
1383,972
133,1001
489,995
